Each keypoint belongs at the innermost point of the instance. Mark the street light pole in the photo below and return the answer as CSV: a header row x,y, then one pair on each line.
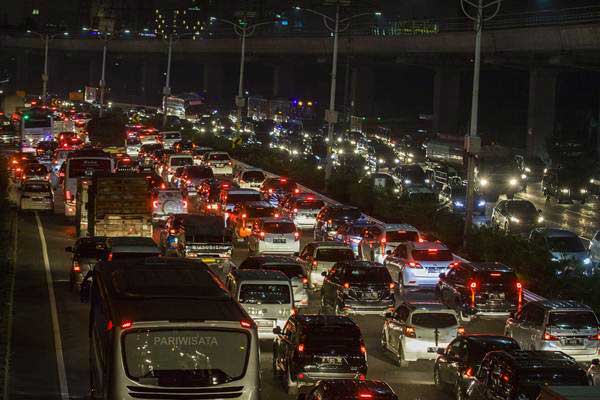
x,y
167,88
472,141
103,76
45,74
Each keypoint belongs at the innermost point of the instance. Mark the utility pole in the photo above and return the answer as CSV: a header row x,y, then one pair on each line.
x,y
472,140
46,37
167,88
103,76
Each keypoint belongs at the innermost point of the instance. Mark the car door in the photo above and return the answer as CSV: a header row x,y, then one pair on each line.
x,y
449,364
395,262
478,388
396,326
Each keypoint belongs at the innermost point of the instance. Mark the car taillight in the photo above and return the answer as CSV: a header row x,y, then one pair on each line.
x,y
185,203
296,235
246,324
460,330
76,267
594,337
365,396
295,210
409,331
261,234
473,287
296,191
346,285
414,265
300,348
469,372
520,292
549,337
68,195
110,257
383,240
315,263
363,349
155,204
305,281
392,286
244,216
126,324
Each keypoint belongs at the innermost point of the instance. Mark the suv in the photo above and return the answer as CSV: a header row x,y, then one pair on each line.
x,y
377,244
482,289
519,374
220,162
166,202
192,177
274,189
304,211
331,217
516,216
87,252
456,365
357,287
415,330
130,248
314,347
563,325
245,215
418,263
232,196
274,235
454,198
319,257
250,178
563,246
349,389
351,233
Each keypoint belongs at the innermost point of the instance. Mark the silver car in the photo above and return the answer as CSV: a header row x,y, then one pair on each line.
x,y
557,325
319,257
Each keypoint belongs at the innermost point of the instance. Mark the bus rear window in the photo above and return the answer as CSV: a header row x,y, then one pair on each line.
x,y
86,167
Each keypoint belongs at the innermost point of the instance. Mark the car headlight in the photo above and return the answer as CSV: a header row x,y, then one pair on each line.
x,y
427,181
484,182
396,190
515,220
582,191
513,182
587,261
202,130
523,176
459,204
481,203
528,170
555,259
564,190
545,170
540,219
407,181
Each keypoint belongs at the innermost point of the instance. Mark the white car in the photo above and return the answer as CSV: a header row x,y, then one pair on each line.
x,y
250,178
274,236
169,138
304,210
319,257
175,161
418,263
220,162
377,243
415,331
133,147
36,195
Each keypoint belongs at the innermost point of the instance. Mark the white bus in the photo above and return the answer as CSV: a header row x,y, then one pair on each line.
x,y
36,125
82,163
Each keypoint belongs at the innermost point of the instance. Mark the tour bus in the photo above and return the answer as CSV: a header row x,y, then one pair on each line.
x,y
165,327
82,163
36,126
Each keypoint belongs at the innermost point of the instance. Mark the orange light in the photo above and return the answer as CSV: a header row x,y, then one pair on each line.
x,y
473,285
363,349
244,215
293,311
346,285
301,348
461,330
76,267
262,234
126,324
392,285
305,281
246,324
365,396
296,191
495,274
469,372
383,240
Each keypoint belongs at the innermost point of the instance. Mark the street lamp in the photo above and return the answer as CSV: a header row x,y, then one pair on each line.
x,y
331,115
103,75
472,141
242,30
46,38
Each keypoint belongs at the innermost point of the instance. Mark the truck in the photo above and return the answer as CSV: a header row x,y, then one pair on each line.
x,y
113,204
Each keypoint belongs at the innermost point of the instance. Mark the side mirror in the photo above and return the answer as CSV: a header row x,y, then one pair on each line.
x,y
69,249
324,274
442,275
277,330
84,294
441,351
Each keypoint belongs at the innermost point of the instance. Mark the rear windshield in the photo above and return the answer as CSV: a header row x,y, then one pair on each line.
x,y
37,169
253,176
401,236
279,227
36,187
331,338
261,212
200,172
291,270
497,279
174,135
181,161
432,255
331,255
132,256
234,198
254,293
573,319
310,205
367,275
91,250
283,184
346,213
568,244
434,320
219,157
568,376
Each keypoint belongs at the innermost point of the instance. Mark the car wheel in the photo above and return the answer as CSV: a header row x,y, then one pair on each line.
x,y
289,386
400,359
437,380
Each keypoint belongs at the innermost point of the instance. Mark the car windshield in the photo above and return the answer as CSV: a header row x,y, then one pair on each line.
x,y
401,236
253,176
573,319
219,157
372,275
255,293
91,250
181,161
185,357
569,376
282,184
335,254
235,198
261,212
434,320
521,207
279,227
310,205
36,187
432,255
291,270
565,244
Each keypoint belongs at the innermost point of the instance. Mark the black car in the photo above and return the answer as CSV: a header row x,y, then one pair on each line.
x,y
412,175
357,287
275,189
516,216
348,389
331,217
315,347
457,365
519,374
565,185
482,289
87,252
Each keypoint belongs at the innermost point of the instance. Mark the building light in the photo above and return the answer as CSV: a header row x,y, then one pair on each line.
x,y
35,11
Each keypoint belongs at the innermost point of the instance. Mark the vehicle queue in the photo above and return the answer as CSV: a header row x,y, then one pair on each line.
x,y
354,266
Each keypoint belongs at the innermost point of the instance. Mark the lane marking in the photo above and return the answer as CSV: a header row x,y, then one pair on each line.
x,y
5,392
58,347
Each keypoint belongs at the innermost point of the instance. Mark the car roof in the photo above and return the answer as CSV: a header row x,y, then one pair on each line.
x,y
427,306
242,191
274,259
260,275
131,241
487,266
537,359
274,220
323,319
485,338
261,203
561,305
327,244
399,227
428,245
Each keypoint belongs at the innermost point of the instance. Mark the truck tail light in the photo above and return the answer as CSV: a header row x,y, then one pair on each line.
x,y
409,331
414,265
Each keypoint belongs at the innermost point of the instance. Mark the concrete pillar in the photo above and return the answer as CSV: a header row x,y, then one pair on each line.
x,y
283,80
213,81
362,90
542,110
446,101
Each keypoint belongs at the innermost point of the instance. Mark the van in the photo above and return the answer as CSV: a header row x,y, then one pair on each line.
x,y
160,327
266,295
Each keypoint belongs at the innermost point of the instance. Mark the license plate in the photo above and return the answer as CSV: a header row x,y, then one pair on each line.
x,y
208,260
265,323
371,296
497,296
37,199
431,349
573,342
331,360
279,241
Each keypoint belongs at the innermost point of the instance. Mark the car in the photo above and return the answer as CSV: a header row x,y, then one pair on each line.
x,y
594,249
377,243
166,202
274,236
244,216
310,348
454,199
304,210
521,374
174,161
199,152
319,257
220,162
45,149
331,217
34,171
193,176
274,189
86,253
565,185
209,195
250,178
36,195
265,294
133,146
557,325
169,138
289,266
350,389
69,140
358,288
456,365
230,197
483,289
532,168
563,246
351,233
147,151
418,263
130,248
415,330
516,216
183,146
411,175
58,158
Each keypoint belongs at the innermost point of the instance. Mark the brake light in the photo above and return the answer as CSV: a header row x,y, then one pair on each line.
x,y
460,330
414,265
383,240
283,180
76,267
469,372
363,349
109,325
392,286
432,250
155,204
244,215
300,376
550,337
270,191
409,331
594,337
172,231
301,348
365,396
296,191
295,210
296,235
185,203
246,324
126,324
276,215
315,263
110,256
520,292
362,378
261,234
305,281
519,285
473,285
453,264
163,186
68,195
421,240
346,285
495,274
